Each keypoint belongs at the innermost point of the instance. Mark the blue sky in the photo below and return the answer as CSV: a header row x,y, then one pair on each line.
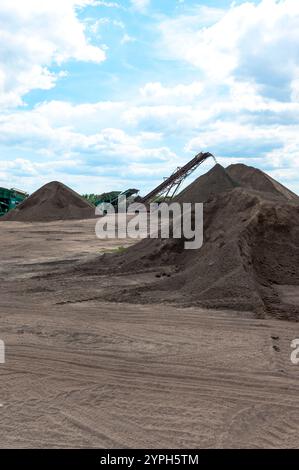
x,y
104,95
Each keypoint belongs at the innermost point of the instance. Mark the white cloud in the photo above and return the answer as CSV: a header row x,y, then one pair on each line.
x,y
140,5
100,3
96,25
247,62
127,39
90,139
59,145
240,103
34,36
237,134
295,89
249,42
156,92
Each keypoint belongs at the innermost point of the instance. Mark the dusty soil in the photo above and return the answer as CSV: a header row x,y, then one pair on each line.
x,y
53,201
249,258
80,372
253,178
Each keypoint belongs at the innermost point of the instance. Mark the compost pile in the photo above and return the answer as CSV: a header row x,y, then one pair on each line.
x,y
250,250
54,201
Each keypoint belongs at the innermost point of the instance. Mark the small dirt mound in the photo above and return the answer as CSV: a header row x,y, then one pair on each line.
x,y
54,201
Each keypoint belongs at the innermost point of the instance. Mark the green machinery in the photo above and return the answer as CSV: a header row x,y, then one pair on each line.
x,y
10,198
112,198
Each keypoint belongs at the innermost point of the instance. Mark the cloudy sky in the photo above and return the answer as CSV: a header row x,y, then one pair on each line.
x,y
104,95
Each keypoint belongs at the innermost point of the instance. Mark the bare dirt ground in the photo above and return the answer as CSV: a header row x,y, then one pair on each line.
x,y
93,374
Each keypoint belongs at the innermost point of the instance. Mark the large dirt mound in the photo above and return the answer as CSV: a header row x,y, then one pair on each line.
x,y
249,258
215,181
219,180
54,201
253,178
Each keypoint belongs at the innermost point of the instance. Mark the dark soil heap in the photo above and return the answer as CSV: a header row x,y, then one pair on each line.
x,y
250,251
253,178
54,201
217,180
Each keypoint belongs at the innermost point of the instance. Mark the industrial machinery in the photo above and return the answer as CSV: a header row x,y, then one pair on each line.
x,y
170,186
112,198
10,198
